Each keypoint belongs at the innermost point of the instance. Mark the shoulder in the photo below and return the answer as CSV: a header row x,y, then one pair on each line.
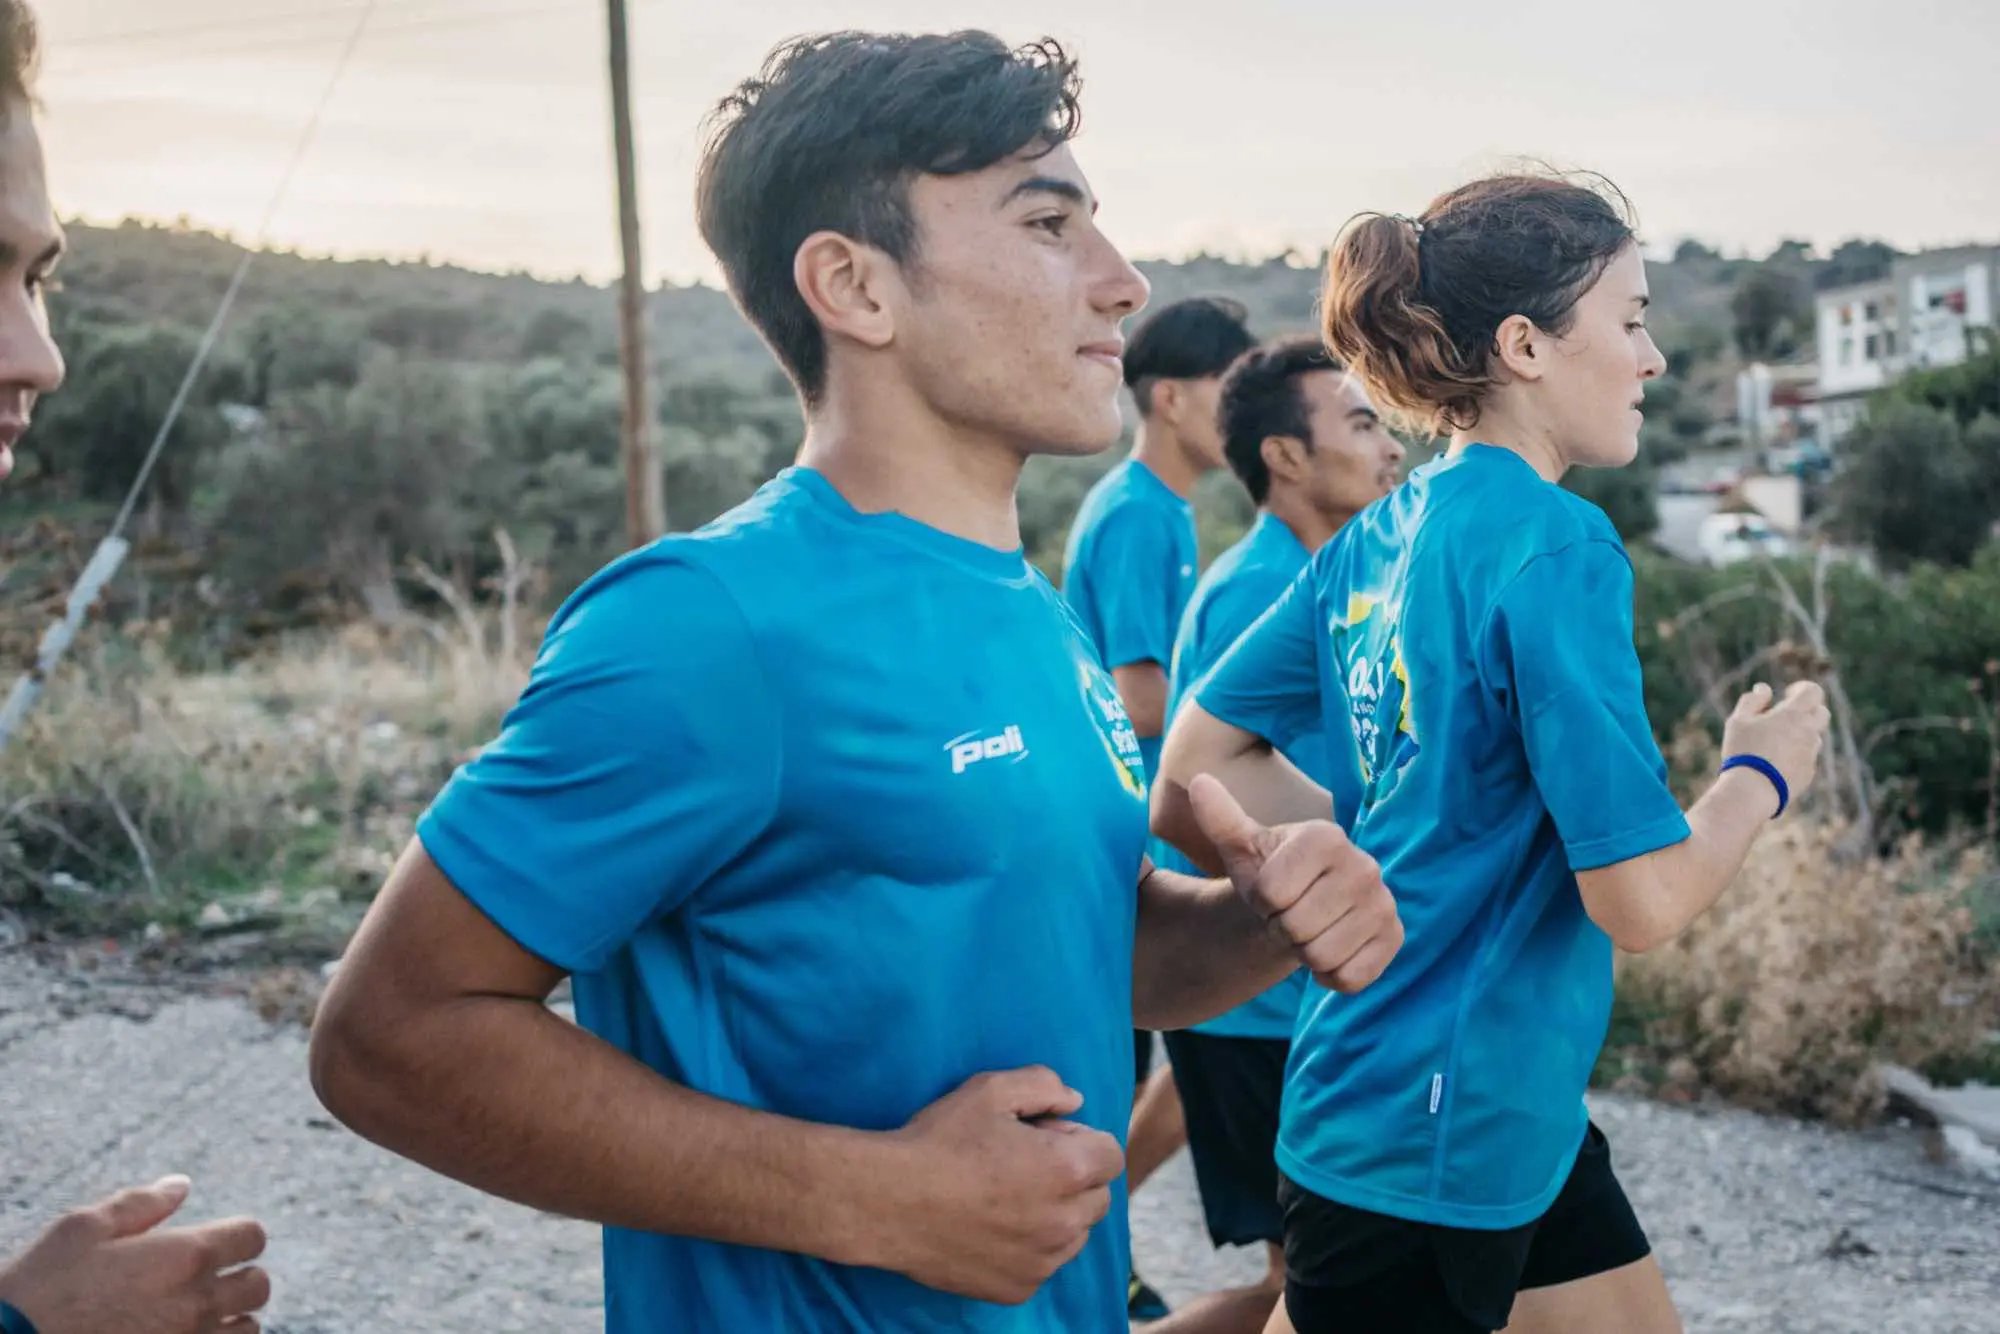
x,y
690,589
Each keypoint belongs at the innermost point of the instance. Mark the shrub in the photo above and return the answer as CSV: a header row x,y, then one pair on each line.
x,y
1815,965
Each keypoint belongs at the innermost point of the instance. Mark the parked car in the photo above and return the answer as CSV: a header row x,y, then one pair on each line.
x,y
1726,539
1807,460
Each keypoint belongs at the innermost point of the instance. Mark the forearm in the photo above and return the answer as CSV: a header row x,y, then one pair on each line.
x,y
1142,689
1269,787
1680,883
507,1097
1200,950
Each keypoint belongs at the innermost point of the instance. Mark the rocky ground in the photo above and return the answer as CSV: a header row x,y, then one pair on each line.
x,y
108,1078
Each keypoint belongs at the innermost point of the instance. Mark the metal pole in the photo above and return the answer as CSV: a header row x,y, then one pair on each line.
x,y
645,487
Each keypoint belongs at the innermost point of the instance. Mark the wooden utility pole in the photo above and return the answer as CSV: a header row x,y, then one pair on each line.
x,y
645,487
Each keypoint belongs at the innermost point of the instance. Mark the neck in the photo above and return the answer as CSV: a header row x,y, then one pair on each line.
x,y
1511,431
1161,452
1310,526
894,456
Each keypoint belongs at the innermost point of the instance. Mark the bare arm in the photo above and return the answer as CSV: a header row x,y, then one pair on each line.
x,y
1142,689
1645,902
1200,951
1270,787
434,1041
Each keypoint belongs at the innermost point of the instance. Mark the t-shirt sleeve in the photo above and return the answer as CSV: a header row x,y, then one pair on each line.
x,y
1559,645
642,757
1134,569
1268,682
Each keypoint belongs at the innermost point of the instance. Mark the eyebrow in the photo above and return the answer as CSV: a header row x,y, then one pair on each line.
x,y
1051,185
1363,412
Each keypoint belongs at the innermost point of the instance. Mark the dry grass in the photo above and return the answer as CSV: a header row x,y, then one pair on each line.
x,y
1814,966
140,793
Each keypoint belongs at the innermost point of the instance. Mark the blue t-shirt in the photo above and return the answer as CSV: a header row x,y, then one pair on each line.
x,y
1238,588
1473,632
827,812
1129,570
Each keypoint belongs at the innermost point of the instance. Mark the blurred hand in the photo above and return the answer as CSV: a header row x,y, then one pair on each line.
x,y
111,1269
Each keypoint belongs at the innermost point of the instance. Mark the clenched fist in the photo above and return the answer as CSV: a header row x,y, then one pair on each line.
x,y
1788,734
1008,1189
1310,883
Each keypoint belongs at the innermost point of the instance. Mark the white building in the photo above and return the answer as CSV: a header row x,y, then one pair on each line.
x,y
1917,317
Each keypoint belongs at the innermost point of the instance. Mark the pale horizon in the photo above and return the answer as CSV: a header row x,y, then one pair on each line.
x,y
478,134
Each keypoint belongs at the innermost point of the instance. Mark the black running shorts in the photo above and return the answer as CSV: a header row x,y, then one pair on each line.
x,y
1348,1271
1230,1090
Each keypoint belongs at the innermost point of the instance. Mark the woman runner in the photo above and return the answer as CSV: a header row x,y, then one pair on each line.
x,y
1439,1173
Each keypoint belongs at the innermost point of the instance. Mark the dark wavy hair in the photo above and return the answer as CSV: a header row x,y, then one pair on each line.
x,y
1261,397
1412,305
829,135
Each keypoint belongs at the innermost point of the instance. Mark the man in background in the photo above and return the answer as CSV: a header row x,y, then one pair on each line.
x,y
1302,437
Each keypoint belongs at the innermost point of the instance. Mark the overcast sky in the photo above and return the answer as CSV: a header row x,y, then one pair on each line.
x,y
477,130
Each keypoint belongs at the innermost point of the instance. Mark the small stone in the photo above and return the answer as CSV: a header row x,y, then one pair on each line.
x,y
213,915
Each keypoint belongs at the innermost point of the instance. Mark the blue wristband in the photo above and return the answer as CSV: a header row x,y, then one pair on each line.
x,y
1766,768
13,1322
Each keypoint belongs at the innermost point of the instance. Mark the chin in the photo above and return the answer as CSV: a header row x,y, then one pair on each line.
x,y
1074,439
1617,454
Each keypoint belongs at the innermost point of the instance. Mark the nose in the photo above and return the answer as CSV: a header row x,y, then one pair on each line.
x,y
1121,290
1652,365
29,359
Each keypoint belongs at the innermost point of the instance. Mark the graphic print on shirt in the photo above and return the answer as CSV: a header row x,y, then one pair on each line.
x,y
1114,725
1368,644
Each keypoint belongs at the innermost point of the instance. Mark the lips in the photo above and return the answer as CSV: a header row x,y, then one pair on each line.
x,y
1110,352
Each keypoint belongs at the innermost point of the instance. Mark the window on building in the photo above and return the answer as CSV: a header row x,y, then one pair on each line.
x,y
1870,312
1874,348
1889,343
1847,351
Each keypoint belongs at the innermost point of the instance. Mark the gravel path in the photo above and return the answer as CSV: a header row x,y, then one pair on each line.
x,y
1762,1225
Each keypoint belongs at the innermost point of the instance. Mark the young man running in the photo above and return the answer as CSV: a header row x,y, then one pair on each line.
x,y
828,808
1128,571
1301,436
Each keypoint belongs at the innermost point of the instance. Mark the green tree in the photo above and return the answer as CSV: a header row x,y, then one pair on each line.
x,y
1967,391
1629,496
347,484
98,429
1856,261
1911,489
1771,313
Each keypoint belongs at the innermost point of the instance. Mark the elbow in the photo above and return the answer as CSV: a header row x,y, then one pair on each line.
x,y
1632,929
1628,905
346,1065
1639,939
331,1061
